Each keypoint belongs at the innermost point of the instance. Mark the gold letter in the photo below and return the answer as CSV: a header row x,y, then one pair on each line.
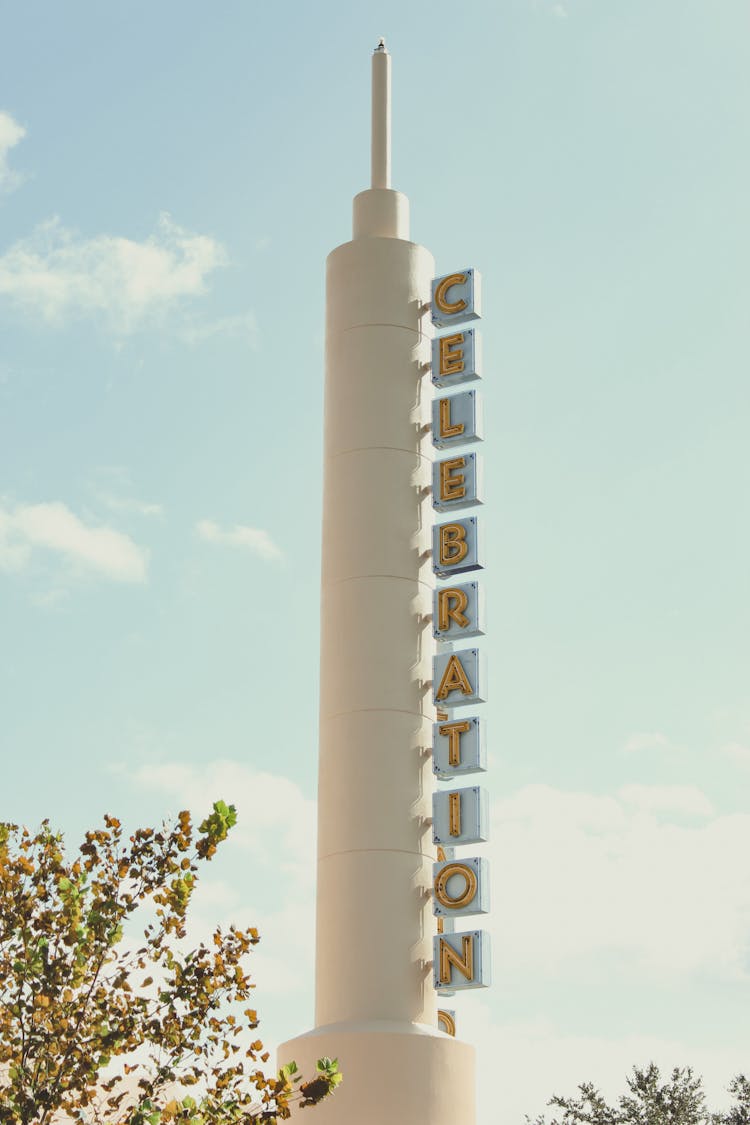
x,y
451,361
470,886
454,813
441,294
445,612
447,428
454,732
454,679
453,545
447,1021
452,487
448,957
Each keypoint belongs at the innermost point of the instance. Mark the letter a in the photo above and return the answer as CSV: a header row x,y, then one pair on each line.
x,y
454,679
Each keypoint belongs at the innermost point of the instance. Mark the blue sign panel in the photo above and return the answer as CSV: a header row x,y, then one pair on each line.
x,y
461,961
458,747
456,297
457,547
456,482
460,888
456,358
461,816
456,419
458,678
458,611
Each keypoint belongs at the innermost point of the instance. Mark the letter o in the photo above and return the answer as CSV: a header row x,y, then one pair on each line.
x,y
441,886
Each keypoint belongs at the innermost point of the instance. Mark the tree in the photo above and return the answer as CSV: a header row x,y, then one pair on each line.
x,y
678,1101
100,1026
739,1114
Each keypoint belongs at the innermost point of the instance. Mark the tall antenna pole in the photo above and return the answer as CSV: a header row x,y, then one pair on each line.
x,y
375,1006
381,118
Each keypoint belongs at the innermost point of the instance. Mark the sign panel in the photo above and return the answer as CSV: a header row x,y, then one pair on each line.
x,y
460,887
456,359
456,297
456,482
457,419
460,816
458,678
458,611
457,547
458,747
461,960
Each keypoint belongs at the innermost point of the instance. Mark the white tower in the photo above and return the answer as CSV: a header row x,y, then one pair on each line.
x,y
375,1002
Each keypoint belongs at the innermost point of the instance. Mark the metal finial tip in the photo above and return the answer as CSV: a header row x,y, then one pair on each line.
x,y
381,45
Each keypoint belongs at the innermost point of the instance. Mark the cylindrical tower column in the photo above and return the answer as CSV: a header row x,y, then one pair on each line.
x,y
375,1004
374,849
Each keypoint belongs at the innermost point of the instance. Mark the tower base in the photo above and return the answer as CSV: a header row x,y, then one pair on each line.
x,y
402,1074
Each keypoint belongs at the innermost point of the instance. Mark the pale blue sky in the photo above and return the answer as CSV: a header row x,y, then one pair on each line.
x,y
164,221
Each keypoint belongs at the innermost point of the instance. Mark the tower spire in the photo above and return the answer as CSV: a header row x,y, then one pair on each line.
x,y
381,117
379,211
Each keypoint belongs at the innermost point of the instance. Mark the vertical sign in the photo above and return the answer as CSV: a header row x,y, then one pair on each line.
x,y
461,959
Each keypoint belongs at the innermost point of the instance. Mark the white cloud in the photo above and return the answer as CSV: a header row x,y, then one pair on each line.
x,y
580,876
685,799
57,273
271,851
602,875
10,134
647,740
275,819
53,527
522,1064
254,539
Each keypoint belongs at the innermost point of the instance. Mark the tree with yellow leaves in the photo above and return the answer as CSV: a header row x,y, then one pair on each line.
x,y
97,1027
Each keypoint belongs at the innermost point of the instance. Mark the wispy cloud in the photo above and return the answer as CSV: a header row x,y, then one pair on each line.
x,y
58,273
555,8
130,504
242,326
50,599
52,527
738,752
10,134
253,539
648,741
112,485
